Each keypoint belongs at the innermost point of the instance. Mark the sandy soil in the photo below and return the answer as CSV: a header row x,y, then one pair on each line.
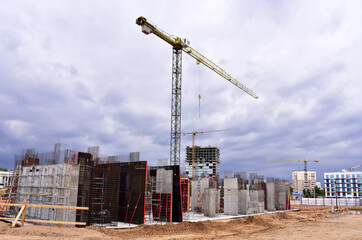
x,y
309,223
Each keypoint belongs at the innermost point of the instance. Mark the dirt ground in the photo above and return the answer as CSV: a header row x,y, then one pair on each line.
x,y
309,223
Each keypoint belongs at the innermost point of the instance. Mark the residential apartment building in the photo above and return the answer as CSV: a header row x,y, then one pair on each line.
x,y
345,184
299,181
207,162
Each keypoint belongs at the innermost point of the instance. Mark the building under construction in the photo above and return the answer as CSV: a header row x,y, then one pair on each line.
x,y
107,185
114,190
207,162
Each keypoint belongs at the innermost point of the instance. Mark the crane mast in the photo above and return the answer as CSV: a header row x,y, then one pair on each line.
x,y
179,45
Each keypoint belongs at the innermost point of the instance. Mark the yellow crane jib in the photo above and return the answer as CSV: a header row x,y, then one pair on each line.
x,y
183,43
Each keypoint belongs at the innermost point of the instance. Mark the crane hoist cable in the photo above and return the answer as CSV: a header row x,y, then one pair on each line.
x,y
199,95
180,45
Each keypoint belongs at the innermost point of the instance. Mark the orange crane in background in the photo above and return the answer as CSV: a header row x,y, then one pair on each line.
x,y
298,160
193,146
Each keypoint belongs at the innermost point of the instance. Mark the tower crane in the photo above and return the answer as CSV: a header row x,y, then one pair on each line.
x,y
193,146
352,168
298,160
178,45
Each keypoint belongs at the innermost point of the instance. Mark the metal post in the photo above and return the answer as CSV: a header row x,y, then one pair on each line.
x,y
193,155
335,189
305,177
176,107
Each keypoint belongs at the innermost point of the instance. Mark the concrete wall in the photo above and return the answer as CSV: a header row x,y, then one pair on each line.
x,y
230,183
253,204
261,203
164,181
49,185
209,202
231,196
194,194
281,195
270,195
231,199
204,183
244,200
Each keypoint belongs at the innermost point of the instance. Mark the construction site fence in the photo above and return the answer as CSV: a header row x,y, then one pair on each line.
x,y
355,202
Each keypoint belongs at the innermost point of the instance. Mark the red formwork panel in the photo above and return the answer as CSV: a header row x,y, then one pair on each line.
x,y
162,207
185,194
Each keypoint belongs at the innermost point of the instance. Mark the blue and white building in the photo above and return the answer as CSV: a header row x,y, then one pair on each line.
x,y
343,184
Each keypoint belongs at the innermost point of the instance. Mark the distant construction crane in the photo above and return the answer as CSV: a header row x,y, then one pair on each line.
x,y
193,146
298,160
351,168
178,44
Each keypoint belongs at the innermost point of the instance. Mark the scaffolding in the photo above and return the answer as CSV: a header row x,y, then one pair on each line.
x,y
155,203
44,185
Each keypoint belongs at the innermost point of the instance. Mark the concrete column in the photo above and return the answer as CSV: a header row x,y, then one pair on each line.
x,y
209,200
282,201
243,202
270,196
231,206
261,205
231,196
194,193
253,205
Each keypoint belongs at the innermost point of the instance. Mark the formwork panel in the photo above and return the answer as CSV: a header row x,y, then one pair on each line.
x,y
118,192
176,189
185,194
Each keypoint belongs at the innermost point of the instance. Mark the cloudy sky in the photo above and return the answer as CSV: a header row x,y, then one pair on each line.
x,y
82,73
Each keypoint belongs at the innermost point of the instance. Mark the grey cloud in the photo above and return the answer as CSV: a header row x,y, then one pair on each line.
x,y
86,75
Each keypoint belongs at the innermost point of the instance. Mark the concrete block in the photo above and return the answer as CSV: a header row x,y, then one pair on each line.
x,y
281,201
209,202
204,183
194,194
261,201
56,184
276,193
164,181
253,204
230,183
270,197
243,203
231,202
218,201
